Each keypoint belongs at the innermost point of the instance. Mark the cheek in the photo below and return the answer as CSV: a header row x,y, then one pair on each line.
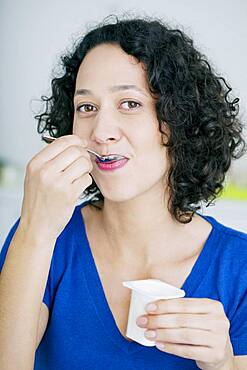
x,y
155,161
79,129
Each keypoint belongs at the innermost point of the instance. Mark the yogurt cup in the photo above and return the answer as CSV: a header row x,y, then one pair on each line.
x,y
142,293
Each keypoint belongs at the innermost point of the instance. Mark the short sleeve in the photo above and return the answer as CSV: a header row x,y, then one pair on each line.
x,y
7,242
47,295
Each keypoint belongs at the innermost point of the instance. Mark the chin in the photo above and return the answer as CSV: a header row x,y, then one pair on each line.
x,y
117,192
119,196
122,191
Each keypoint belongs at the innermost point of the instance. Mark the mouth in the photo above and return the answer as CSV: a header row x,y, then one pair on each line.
x,y
112,165
110,158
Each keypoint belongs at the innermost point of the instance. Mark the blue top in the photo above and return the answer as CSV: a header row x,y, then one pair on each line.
x,y
81,332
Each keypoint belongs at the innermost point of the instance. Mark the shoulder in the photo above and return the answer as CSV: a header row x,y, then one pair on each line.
x,y
231,243
233,235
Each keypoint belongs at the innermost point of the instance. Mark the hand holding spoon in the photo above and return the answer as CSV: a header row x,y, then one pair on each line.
x,y
106,158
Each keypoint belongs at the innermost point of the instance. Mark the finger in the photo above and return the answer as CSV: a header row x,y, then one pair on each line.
x,y
57,146
185,305
196,353
65,159
80,184
185,336
77,169
194,321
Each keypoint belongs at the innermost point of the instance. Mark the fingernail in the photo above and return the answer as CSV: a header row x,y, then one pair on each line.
x,y
160,345
150,334
151,307
142,321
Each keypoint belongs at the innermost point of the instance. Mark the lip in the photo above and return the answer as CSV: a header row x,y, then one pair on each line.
x,y
107,154
112,165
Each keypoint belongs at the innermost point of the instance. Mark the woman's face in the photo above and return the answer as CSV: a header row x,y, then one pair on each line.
x,y
118,120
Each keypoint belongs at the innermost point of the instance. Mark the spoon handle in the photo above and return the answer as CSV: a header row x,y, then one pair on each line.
x,y
94,153
49,139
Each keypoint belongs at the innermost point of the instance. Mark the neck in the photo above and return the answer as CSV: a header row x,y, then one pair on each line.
x,y
137,232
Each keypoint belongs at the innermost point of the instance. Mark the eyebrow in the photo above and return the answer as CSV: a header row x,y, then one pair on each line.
x,y
112,89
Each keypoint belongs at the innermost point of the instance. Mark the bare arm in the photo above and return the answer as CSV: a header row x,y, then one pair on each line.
x,y
22,285
55,178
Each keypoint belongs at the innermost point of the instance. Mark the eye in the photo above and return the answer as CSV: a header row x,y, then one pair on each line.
x,y
86,106
131,103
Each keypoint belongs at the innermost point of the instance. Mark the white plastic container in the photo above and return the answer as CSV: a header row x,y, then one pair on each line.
x,y
142,293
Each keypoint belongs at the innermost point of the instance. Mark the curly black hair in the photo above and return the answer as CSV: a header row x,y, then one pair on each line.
x,y
204,131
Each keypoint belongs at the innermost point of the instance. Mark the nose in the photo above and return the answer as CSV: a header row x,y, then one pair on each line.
x,y
106,130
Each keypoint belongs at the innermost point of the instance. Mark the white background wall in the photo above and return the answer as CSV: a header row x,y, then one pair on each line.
x,y
33,34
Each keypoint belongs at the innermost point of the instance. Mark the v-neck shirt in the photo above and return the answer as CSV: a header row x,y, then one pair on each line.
x,y
81,331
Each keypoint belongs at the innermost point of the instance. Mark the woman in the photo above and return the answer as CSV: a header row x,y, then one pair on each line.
x,y
138,88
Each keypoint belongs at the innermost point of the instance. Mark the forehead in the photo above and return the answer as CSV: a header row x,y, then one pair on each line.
x,y
108,64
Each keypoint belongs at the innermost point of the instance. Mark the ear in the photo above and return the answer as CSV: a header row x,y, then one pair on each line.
x,y
165,132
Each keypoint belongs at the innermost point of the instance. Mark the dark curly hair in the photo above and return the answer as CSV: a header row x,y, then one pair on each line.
x,y
204,131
